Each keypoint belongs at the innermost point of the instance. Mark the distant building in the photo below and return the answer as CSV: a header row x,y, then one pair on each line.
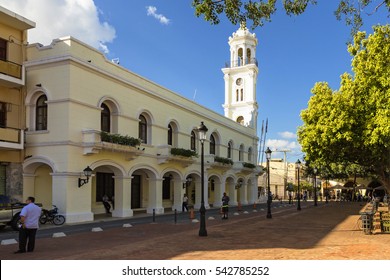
x,y
282,173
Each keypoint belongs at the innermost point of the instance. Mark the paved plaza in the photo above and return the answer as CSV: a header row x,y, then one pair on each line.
x,y
326,232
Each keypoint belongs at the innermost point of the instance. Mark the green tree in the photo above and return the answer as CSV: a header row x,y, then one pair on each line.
x,y
260,11
348,130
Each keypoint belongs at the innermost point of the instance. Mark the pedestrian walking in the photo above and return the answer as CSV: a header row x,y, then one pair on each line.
x,y
225,206
29,219
185,203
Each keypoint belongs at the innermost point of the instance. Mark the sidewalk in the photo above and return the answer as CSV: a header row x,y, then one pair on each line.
x,y
326,232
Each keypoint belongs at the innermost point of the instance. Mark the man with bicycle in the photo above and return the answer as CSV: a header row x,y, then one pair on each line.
x,y
29,217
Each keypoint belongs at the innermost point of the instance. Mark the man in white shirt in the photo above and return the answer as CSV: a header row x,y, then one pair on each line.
x,y
29,218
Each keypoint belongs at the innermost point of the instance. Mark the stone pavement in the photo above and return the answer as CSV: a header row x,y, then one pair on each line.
x,y
326,232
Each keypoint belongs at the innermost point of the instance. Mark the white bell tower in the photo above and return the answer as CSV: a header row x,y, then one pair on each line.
x,y
240,75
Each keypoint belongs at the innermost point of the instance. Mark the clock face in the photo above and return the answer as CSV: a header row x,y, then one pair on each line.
x,y
239,81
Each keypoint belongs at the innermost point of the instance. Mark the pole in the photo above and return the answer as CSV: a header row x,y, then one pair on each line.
x,y
315,190
202,230
299,194
269,215
326,190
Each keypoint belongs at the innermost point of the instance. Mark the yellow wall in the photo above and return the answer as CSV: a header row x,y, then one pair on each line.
x,y
43,186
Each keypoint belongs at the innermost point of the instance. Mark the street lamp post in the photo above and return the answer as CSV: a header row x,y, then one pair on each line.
x,y
202,129
268,153
326,190
315,186
298,165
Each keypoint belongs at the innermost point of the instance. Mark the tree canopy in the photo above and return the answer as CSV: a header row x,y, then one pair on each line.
x,y
260,11
348,130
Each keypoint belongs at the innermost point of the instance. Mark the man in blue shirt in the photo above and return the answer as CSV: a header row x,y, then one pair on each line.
x,y
29,218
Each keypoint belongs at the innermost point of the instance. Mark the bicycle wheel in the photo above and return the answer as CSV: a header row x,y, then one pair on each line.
x,y
59,220
43,219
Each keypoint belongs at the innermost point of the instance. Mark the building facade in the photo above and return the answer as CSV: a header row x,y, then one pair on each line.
x,y
139,139
13,41
282,173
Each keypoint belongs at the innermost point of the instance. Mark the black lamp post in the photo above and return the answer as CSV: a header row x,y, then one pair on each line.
x,y
202,129
298,165
315,186
268,153
326,190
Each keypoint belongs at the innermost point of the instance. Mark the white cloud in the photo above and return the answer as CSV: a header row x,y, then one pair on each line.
x,y
287,135
152,11
55,19
281,144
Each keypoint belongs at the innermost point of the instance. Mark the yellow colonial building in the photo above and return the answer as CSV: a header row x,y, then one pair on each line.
x,y
66,109
13,41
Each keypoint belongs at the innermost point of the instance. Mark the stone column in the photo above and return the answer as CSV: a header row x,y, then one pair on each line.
x,y
122,199
232,194
73,202
218,192
243,194
252,189
178,193
197,194
155,196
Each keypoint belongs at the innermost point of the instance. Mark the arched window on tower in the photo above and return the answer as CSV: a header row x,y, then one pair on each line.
x,y
143,129
105,119
212,145
248,56
242,95
240,61
237,95
240,120
41,113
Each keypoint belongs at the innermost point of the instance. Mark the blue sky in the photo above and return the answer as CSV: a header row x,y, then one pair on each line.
x,y
165,42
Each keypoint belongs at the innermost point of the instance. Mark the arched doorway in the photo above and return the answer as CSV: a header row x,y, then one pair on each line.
x,y
38,181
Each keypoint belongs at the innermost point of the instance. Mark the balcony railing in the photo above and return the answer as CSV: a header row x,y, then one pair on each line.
x,y
11,69
165,154
240,62
11,138
94,141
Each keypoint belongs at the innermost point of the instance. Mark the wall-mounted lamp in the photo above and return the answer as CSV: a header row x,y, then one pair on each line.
x,y
188,182
87,173
38,85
